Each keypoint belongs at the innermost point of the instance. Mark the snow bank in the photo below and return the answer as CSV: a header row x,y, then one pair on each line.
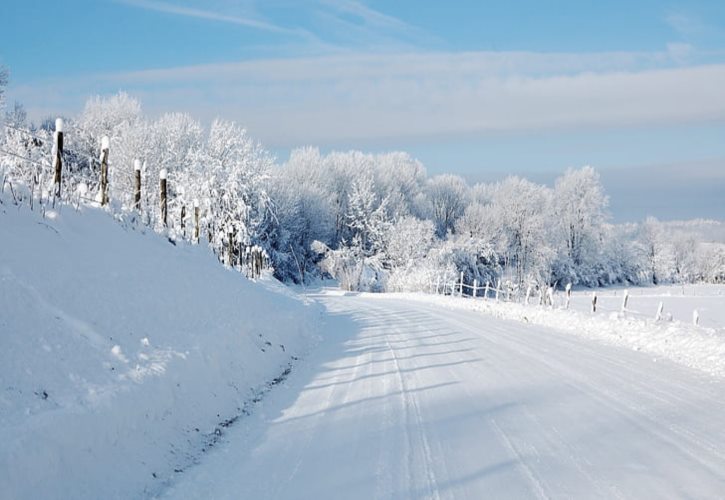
x,y
123,356
698,347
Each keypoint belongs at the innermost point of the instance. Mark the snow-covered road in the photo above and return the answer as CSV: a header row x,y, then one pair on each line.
x,y
409,400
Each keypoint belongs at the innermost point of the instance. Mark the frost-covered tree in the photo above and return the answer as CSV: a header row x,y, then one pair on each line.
x,y
655,251
232,173
366,217
16,116
684,256
303,213
407,241
521,209
116,117
579,205
447,199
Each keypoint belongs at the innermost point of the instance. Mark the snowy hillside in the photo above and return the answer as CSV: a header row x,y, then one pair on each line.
x,y
123,357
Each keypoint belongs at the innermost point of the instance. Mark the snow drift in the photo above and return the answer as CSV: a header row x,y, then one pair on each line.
x,y
122,356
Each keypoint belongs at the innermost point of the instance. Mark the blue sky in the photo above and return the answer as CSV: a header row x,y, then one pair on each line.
x,y
478,88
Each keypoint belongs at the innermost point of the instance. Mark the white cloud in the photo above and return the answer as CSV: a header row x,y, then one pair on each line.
x,y
366,97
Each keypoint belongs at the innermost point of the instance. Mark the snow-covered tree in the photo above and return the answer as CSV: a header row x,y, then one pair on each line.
x,y
521,210
684,256
579,205
656,253
366,217
447,199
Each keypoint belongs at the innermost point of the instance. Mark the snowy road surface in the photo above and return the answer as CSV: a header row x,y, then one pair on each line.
x,y
404,400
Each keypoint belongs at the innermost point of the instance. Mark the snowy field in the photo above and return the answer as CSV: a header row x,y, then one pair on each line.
x,y
124,357
678,301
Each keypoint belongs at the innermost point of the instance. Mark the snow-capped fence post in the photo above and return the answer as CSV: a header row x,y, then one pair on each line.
x,y
568,294
460,289
196,221
498,289
550,296
485,290
58,161
438,282
162,185
528,294
594,302
660,307
475,288
105,146
695,317
624,301
137,185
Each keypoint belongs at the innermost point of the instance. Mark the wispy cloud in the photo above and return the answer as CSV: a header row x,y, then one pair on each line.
x,y
686,25
364,26
249,22
367,14
368,97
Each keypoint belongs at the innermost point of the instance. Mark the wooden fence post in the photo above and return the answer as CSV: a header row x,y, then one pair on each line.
x,y
475,288
183,224
460,290
594,302
196,221
498,289
58,162
660,307
624,300
695,317
485,290
105,146
528,294
137,185
162,181
568,294
550,296
231,248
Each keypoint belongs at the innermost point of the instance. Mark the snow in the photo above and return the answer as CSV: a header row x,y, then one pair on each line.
x,y
105,142
701,346
137,165
59,124
406,399
122,355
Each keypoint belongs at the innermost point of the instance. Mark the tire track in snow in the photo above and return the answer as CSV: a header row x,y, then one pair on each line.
x,y
410,402
602,395
537,486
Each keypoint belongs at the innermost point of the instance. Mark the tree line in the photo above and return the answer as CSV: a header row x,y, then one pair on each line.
x,y
372,221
